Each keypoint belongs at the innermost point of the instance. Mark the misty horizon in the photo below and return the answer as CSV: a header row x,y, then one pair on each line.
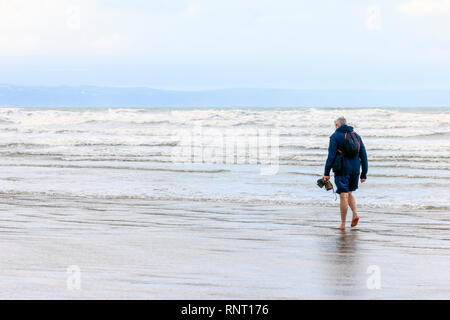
x,y
102,96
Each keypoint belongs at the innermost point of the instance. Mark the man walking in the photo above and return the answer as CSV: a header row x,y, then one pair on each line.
x,y
346,147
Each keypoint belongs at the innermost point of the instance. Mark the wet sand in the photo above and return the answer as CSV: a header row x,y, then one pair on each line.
x,y
130,249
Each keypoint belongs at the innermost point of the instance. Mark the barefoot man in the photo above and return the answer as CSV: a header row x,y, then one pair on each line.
x,y
346,179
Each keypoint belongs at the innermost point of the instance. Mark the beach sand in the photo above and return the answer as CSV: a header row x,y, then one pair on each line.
x,y
206,250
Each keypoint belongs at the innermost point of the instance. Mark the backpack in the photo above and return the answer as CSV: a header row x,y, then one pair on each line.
x,y
351,145
338,163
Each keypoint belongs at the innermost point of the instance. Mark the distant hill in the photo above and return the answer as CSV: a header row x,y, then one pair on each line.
x,y
92,96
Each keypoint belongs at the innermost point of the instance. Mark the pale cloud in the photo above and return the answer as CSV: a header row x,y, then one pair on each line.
x,y
160,29
221,42
424,7
57,27
428,21
109,43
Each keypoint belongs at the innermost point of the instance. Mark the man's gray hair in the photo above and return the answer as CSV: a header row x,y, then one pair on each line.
x,y
340,121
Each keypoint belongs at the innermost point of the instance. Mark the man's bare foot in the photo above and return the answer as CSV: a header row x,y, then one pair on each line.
x,y
355,221
341,227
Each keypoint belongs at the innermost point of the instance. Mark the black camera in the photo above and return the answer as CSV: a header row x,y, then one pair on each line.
x,y
327,184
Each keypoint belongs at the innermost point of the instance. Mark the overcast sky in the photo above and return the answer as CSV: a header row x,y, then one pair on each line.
x,y
204,44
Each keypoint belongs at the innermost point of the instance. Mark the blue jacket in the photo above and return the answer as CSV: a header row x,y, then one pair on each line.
x,y
350,165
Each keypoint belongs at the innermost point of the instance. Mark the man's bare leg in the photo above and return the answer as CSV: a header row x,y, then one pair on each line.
x,y
352,205
344,208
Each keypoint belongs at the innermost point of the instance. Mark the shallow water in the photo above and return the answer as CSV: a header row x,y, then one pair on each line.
x,y
106,190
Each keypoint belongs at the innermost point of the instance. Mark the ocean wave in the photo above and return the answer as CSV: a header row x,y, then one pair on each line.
x,y
129,122
378,175
167,156
16,145
142,157
23,145
317,118
84,197
154,144
61,166
406,132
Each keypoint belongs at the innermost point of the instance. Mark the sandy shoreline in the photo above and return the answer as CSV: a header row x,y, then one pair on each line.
x,y
194,250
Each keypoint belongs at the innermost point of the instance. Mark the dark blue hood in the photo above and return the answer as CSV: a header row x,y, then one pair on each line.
x,y
344,128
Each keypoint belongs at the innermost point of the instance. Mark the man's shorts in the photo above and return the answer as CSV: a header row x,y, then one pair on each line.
x,y
346,182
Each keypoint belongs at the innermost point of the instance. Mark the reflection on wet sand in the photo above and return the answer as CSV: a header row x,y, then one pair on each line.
x,y
342,264
175,250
